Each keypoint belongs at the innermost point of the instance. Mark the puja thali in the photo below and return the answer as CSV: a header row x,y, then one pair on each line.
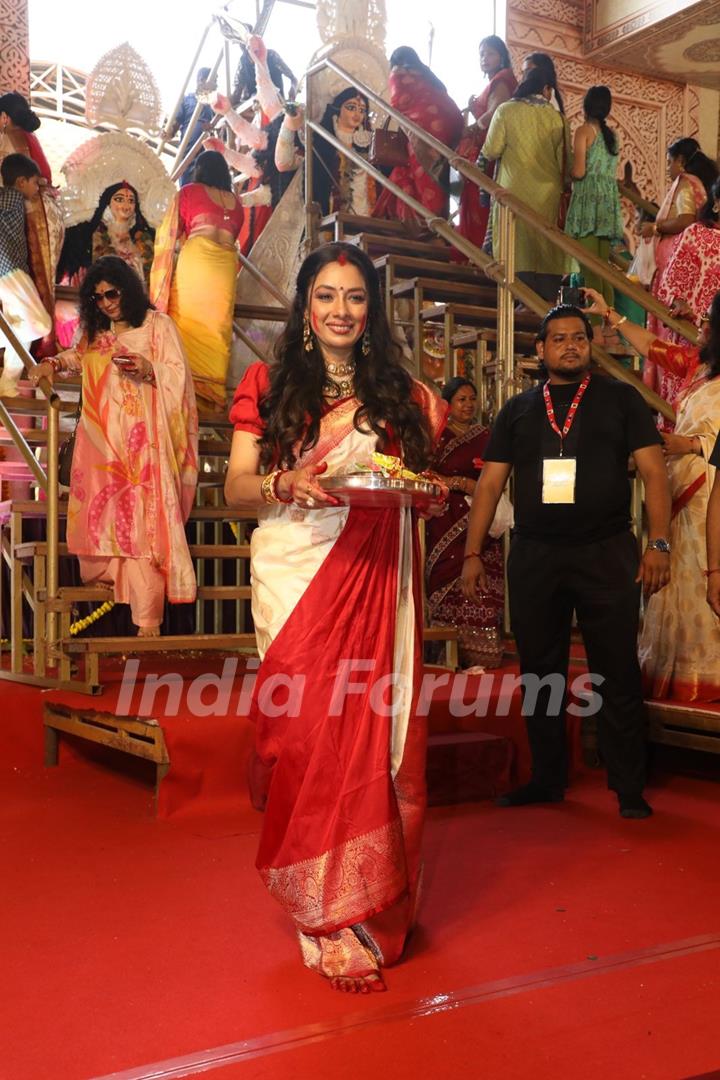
x,y
372,489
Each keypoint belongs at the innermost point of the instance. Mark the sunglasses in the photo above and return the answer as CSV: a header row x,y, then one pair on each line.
x,y
111,294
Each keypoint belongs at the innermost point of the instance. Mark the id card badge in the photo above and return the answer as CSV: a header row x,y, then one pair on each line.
x,y
558,484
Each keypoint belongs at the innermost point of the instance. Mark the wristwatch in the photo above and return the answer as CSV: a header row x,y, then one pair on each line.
x,y
659,545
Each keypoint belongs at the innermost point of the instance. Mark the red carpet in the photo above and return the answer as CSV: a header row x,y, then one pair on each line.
x,y
554,941
208,753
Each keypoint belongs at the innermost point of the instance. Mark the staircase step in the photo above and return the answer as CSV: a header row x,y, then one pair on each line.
x,y
79,594
168,643
377,245
475,315
197,551
355,223
264,312
467,766
405,266
35,508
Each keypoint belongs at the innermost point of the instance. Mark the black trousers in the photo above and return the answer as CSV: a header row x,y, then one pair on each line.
x,y
597,581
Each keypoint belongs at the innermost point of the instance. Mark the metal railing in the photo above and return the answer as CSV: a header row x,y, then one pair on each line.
x,y
47,480
510,208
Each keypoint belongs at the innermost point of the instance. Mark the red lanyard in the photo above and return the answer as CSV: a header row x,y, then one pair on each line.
x,y
571,411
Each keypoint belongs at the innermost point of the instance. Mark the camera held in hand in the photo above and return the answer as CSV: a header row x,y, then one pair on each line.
x,y
573,294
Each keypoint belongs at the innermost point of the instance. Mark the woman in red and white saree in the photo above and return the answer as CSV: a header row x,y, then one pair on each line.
x,y
502,84
690,170
337,604
679,644
420,95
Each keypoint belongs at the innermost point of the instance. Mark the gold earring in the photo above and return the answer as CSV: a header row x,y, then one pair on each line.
x,y
307,335
365,347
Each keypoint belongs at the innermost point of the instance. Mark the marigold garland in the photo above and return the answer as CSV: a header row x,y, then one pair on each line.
x,y
82,624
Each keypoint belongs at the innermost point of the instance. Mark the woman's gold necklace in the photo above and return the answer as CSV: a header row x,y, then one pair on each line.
x,y
339,380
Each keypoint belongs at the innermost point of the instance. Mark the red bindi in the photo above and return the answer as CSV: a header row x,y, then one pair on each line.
x,y
342,258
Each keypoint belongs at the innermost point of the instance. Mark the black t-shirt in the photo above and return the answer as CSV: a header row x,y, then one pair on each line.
x,y
611,422
714,458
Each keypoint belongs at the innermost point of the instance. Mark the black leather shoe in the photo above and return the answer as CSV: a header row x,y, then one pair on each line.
x,y
531,793
634,806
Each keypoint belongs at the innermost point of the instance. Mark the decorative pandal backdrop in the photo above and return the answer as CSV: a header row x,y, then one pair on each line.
x,y
14,47
648,113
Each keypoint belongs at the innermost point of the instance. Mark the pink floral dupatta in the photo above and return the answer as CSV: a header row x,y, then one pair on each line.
x,y
135,461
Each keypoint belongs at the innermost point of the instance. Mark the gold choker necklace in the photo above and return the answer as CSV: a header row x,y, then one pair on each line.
x,y
339,380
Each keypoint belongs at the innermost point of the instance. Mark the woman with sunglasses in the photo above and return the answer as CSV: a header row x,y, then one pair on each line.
x,y
134,467
680,639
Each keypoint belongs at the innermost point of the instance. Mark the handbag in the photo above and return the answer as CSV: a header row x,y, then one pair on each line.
x,y
388,149
66,451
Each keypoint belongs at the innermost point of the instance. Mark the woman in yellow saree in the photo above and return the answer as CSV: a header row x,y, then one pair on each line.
x,y
198,289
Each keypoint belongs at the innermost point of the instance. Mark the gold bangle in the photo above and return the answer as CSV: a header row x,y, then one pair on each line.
x,y
267,487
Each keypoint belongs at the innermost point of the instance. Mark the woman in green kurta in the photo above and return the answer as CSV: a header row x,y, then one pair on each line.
x,y
594,217
531,139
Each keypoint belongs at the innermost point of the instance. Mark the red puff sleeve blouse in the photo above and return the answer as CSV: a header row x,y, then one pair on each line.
x,y
245,409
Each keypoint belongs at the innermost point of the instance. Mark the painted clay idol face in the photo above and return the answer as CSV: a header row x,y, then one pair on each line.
x,y
123,205
352,114
338,306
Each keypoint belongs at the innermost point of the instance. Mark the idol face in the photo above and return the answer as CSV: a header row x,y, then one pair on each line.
x,y
352,114
123,205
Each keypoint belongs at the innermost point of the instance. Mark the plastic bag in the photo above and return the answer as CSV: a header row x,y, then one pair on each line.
x,y
643,266
504,516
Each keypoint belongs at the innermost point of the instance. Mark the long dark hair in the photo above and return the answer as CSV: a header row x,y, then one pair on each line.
x,y
597,104
696,163
544,63
710,353
76,251
404,56
135,302
708,216
211,169
293,406
500,47
19,111
325,157
532,85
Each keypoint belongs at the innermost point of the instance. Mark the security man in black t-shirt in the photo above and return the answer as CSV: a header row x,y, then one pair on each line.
x,y
568,442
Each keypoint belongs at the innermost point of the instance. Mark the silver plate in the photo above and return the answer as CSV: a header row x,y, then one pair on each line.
x,y
374,489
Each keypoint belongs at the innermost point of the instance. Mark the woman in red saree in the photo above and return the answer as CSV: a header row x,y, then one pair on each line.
x,y
692,174
338,614
679,644
496,65
458,461
420,95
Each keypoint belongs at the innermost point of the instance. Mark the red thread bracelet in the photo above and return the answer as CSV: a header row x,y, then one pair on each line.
x,y
472,555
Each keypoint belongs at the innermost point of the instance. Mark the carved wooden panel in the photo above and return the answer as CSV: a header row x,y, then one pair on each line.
x,y
14,48
647,113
